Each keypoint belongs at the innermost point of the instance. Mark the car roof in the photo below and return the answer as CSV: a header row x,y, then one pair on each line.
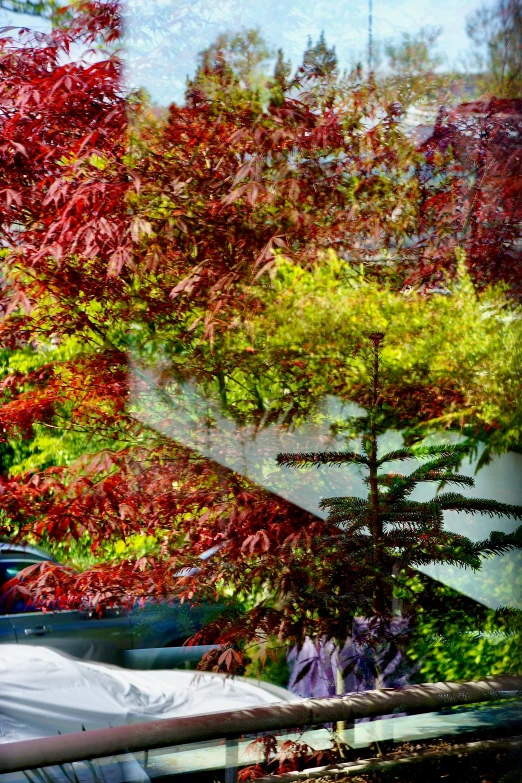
x,y
8,549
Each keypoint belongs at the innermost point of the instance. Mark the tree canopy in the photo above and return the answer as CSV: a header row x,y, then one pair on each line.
x,y
496,31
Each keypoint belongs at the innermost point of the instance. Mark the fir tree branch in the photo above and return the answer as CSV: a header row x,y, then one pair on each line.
x,y
425,451
349,513
426,514
454,478
459,559
445,463
393,480
499,543
400,486
320,458
348,504
451,501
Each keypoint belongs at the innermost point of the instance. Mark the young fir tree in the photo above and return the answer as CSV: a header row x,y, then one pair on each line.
x,y
387,532
318,59
318,74
280,80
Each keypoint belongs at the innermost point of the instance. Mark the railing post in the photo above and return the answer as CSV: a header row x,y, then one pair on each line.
x,y
231,760
339,691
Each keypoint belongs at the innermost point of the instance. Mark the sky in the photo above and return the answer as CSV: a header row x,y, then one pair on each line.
x,y
165,36
287,24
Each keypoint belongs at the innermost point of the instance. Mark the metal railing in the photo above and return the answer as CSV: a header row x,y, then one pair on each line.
x,y
414,699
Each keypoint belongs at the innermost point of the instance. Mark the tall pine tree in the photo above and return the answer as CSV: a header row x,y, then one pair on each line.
x,y
387,532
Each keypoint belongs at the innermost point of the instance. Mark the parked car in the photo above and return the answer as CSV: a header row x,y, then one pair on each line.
x,y
110,638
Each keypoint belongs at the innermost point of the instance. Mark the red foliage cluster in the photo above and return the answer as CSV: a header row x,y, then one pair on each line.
x,y
189,505
97,384
291,756
59,117
484,198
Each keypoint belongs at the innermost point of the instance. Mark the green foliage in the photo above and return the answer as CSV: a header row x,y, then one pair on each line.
x,y
43,8
47,446
233,68
77,552
413,65
305,344
455,638
269,664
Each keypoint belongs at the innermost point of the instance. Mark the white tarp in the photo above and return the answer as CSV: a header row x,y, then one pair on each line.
x,y
43,693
